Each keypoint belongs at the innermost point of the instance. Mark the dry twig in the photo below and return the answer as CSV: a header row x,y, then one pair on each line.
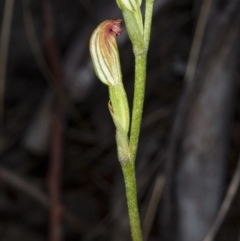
x,y
4,43
59,113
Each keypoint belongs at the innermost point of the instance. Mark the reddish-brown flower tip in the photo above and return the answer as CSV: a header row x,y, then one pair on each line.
x,y
115,27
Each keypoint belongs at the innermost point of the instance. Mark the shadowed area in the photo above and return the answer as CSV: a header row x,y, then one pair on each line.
x,y
59,174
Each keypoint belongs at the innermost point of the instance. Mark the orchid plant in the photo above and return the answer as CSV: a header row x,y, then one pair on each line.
x,y
105,57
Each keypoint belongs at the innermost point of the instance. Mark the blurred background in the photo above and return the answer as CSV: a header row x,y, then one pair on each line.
x,y
59,174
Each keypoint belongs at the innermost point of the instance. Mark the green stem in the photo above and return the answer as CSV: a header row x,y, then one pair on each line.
x,y
139,90
131,191
140,79
140,46
148,21
129,167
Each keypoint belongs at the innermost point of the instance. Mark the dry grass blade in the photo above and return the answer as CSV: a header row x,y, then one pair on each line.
x,y
34,43
152,207
197,41
231,192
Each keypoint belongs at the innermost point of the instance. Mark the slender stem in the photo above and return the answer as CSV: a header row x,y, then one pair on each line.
x,y
148,21
129,166
139,90
131,191
140,79
140,51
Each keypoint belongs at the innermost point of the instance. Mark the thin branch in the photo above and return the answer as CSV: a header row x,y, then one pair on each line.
x,y
54,172
4,43
59,113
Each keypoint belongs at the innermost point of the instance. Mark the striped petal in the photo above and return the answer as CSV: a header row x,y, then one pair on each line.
x,y
104,52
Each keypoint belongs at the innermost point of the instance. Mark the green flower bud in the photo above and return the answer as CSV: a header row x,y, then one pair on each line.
x,y
104,52
131,5
133,19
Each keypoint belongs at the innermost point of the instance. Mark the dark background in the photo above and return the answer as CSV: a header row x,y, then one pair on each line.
x,y
59,174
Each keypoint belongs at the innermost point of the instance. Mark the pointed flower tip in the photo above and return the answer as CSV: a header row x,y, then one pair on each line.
x,y
104,51
131,5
